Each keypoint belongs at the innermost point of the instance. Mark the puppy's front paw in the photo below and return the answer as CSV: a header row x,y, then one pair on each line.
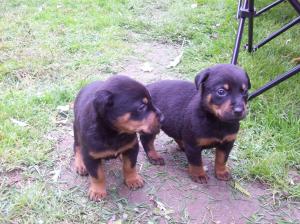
x,y
134,182
81,170
223,174
80,167
155,158
198,174
203,179
97,194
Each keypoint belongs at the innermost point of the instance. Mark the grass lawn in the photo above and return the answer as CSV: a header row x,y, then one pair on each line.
x,y
49,49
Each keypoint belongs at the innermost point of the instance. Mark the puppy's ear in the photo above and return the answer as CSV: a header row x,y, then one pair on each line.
x,y
103,99
248,79
201,78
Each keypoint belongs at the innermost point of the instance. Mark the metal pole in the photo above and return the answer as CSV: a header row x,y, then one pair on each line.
x,y
250,25
275,82
268,7
238,38
278,32
296,5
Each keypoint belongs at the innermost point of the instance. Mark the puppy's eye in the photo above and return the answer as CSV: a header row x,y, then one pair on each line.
x,y
221,92
142,107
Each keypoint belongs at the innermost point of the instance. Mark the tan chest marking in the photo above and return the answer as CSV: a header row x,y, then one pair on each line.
x,y
112,152
213,141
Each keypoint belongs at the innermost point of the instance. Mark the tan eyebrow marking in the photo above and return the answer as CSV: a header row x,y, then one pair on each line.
x,y
244,86
226,86
145,100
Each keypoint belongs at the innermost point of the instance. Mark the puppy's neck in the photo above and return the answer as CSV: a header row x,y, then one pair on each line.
x,y
104,126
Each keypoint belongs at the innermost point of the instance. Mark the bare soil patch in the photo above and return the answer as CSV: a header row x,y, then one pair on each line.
x,y
168,187
157,55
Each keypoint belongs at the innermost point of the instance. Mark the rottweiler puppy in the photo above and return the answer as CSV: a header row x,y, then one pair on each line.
x,y
108,116
203,116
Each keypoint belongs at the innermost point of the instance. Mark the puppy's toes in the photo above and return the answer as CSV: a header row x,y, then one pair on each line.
x,y
223,175
157,161
198,174
134,182
203,179
79,165
97,194
81,170
154,158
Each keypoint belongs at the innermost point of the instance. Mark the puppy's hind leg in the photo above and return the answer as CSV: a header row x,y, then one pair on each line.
x,y
79,164
148,144
180,144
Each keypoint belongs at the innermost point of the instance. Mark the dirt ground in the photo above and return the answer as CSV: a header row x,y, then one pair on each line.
x,y
168,187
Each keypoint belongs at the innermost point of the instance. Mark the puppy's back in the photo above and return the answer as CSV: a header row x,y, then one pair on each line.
x,y
84,99
172,97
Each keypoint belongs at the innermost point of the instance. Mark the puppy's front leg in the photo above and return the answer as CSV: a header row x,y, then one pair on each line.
x,y
222,152
97,189
132,179
195,168
148,144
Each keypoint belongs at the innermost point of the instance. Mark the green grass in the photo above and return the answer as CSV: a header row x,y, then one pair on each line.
x,y
49,49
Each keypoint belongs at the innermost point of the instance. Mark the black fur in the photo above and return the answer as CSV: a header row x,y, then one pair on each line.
x,y
97,108
188,115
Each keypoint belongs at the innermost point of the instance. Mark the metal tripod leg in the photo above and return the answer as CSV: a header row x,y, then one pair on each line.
x,y
239,36
278,32
275,82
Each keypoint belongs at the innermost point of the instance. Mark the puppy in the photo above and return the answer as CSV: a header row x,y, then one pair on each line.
x,y
107,117
203,116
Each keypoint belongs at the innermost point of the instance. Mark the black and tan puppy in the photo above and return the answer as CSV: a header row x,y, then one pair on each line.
x,y
107,117
203,116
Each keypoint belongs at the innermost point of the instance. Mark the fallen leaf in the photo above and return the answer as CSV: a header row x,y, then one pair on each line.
x,y
63,108
193,6
119,221
214,36
146,67
296,60
19,123
238,187
176,61
56,174
162,210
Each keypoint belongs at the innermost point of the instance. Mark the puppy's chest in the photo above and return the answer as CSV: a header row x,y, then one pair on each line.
x,y
113,149
213,134
212,141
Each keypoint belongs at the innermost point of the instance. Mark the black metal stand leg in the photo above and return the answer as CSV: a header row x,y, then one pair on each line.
x,y
275,82
275,34
239,36
238,41
268,7
250,25
248,11
296,5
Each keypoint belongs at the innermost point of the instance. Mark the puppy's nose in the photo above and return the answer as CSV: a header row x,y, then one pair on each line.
x,y
238,111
